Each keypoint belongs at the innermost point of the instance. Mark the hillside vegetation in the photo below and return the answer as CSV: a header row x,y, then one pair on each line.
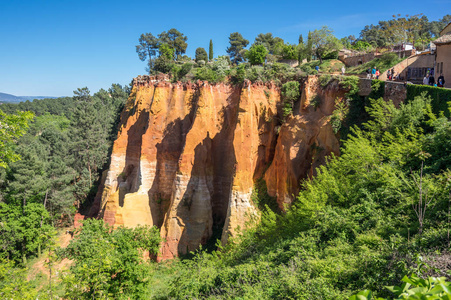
x,y
355,226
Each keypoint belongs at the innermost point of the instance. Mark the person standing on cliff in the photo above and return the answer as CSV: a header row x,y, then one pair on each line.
x,y
378,73
373,73
441,81
343,70
368,73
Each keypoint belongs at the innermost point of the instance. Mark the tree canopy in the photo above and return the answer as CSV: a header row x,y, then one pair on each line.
x,y
170,45
270,42
237,45
12,127
324,42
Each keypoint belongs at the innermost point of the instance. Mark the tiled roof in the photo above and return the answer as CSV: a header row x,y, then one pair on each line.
x,y
445,39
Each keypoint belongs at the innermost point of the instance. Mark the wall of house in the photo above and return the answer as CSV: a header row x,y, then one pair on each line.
x,y
443,63
413,68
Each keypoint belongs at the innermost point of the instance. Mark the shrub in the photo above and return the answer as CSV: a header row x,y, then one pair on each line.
x,y
221,65
325,79
201,54
290,92
339,114
350,83
389,58
257,54
163,64
179,72
207,74
238,74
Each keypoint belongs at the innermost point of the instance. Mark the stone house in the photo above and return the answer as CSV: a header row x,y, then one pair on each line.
x,y
443,55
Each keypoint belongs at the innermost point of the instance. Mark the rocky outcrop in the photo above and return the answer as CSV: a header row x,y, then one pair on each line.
x,y
304,141
187,155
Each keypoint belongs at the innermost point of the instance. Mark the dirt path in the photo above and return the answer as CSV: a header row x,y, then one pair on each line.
x,y
40,266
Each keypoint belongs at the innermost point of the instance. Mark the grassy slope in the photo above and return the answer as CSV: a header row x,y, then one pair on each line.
x,y
378,63
328,66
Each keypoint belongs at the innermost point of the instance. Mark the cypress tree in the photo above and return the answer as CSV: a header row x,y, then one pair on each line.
x,y
210,51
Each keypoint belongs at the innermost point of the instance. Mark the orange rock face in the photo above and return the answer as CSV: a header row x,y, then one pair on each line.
x,y
187,156
304,141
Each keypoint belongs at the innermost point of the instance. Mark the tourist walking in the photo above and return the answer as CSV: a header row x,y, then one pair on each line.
x,y
368,73
373,73
343,70
441,81
378,74
431,80
426,79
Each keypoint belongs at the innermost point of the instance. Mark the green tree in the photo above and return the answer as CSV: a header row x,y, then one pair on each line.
x,y
23,230
257,54
290,92
201,54
269,41
210,51
373,35
308,49
300,39
176,40
403,29
109,263
237,45
12,126
435,27
288,52
89,131
324,42
147,48
361,46
14,283
166,51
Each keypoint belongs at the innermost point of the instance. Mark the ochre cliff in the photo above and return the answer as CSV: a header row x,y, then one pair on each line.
x,y
187,155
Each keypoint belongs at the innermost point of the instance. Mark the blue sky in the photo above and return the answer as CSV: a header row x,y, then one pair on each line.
x,y
51,48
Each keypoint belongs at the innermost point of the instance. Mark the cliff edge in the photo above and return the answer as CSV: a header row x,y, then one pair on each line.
x,y
187,155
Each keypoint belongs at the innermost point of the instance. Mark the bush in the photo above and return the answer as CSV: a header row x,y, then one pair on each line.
x,y
238,74
207,74
290,92
389,58
221,65
201,54
179,72
163,64
325,79
109,262
257,54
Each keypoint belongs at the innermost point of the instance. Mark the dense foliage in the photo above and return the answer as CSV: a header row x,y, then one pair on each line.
x,y
62,155
414,29
12,127
109,263
440,97
353,227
